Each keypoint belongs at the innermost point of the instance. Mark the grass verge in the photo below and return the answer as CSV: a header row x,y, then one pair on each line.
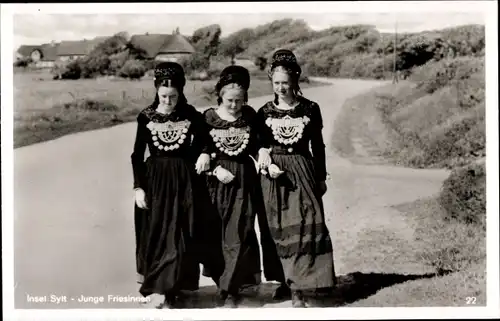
x,y
455,249
45,110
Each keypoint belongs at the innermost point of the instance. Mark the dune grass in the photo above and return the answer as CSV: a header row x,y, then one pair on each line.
x,y
435,120
45,109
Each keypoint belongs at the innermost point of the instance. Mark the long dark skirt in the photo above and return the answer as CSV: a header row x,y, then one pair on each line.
x,y
234,203
167,248
273,269
141,222
296,220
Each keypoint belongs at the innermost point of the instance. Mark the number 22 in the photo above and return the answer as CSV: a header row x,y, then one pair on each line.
x,y
470,300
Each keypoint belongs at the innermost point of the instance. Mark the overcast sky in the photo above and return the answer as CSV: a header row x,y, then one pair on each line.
x,y
42,28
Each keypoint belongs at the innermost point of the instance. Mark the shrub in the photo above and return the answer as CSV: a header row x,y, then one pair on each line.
x,y
133,69
463,194
435,75
23,62
117,61
198,75
196,62
89,105
72,70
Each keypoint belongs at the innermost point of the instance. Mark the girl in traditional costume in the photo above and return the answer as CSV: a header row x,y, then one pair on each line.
x,y
165,195
233,185
293,182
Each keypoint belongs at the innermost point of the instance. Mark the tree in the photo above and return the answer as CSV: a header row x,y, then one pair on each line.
x,y
236,43
261,62
206,41
232,49
123,35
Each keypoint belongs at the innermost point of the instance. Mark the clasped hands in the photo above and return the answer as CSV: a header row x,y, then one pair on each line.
x,y
264,164
222,174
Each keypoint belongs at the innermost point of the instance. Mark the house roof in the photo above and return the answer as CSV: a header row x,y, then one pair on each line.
x,y
26,50
151,43
154,44
177,44
80,47
49,51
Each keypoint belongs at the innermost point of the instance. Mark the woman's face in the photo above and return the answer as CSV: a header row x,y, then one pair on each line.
x,y
282,84
168,96
233,99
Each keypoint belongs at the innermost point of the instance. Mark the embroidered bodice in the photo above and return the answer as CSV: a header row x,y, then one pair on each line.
x,y
169,135
181,134
231,138
293,131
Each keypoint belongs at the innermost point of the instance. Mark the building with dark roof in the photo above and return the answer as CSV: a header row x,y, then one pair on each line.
x,y
71,50
163,47
42,56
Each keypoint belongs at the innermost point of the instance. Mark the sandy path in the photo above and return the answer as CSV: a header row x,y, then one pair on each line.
x,y
74,224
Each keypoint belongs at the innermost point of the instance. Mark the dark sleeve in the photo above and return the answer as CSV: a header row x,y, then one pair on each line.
x,y
261,130
138,164
253,146
317,143
201,140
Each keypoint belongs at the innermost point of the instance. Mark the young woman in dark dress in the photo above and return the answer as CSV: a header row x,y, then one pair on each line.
x,y
290,128
165,183
233,185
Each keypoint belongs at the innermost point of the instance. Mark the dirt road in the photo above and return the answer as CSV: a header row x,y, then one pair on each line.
x,y
74,233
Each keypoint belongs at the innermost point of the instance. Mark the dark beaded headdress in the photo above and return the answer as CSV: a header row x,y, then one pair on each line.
x,y
170,72
285,58
233,75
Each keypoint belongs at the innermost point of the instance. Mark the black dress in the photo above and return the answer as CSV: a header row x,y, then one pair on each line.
x,y
165,248
236,257
293,203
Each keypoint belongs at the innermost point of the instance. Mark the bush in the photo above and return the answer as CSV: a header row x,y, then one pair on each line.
x,y
89,105
198,75
463,194
23,62
133,69
72,70
435,75
439,119
117,61
196,62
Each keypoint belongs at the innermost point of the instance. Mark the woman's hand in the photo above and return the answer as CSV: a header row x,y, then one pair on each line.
x,y
140,198
264,158
223,175
322,188
203,163
274,171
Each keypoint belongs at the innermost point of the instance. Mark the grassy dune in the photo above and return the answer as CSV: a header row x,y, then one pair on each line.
x,y
435,119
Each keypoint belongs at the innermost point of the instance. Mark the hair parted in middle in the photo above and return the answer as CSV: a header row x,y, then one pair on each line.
x,y
285,60
170,74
